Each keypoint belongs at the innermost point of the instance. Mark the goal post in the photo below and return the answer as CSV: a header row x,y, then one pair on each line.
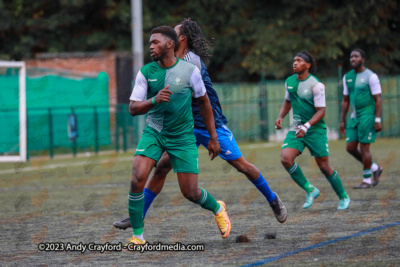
x,y
22,111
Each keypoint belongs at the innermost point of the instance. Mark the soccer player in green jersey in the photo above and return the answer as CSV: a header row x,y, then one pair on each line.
x,y
191,47
306,95
362,91
163,89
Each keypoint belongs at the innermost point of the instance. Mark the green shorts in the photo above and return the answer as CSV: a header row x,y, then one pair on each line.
x,y
316,142
182,150
361,129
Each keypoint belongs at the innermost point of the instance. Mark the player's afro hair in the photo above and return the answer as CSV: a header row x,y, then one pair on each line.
x,y
166,31
359,50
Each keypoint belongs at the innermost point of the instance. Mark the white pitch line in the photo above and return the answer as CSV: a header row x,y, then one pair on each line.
x,y
52,166
263,145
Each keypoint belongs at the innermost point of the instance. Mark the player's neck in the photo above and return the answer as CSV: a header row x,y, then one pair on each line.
x,y
360,69
181,51
303,75
167,61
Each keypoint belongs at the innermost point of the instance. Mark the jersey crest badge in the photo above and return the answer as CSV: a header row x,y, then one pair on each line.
x,y
177,81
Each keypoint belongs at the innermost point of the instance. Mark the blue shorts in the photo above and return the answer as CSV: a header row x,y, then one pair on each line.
x,y
229,148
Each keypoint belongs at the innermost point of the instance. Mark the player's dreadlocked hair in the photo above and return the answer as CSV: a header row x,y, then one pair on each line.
x,y
195,39
309,59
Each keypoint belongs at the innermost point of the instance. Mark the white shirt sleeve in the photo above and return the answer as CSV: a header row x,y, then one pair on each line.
x,y
287,96
375,85
319,95
197,84
139,92
345,89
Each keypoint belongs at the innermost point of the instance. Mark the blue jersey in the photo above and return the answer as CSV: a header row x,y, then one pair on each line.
x,y
219,118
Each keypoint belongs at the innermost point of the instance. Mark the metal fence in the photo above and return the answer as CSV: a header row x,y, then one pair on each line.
x,y
251,110
98,128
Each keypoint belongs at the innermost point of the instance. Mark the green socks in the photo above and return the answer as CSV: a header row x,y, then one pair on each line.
x,y
136,206
337,186
298,176
208,202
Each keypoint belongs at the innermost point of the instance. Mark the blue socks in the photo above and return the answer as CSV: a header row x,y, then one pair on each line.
x,y
263,187
260,183
149,196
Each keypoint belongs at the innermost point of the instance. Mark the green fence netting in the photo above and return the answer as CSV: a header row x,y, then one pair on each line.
x,y
251,109
49,101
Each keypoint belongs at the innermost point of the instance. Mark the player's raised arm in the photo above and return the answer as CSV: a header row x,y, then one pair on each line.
x,y
199,91
138,105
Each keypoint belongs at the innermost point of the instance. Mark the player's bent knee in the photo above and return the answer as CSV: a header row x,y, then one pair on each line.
x,y
326,170
137,182
244,167
351,149
191,195
286,162
163,165
161,173
192,199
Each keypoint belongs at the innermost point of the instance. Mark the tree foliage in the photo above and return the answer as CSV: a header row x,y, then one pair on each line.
x,y
248,36
329,30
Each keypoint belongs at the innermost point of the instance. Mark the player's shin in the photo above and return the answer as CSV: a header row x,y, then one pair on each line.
x,y
136,205
297,175
337,186
263,187
208,202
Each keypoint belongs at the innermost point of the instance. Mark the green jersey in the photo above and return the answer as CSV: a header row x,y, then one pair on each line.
x,y
305,96
172,118
361,87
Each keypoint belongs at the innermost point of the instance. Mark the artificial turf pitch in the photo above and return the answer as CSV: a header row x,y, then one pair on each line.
x,y
77,200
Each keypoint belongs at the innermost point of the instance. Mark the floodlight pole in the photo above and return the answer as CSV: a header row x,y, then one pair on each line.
x,y
137,47
137,36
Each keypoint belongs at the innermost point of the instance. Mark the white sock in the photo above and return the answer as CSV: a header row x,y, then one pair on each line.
x,y
139,236
220,209
374,167
367,180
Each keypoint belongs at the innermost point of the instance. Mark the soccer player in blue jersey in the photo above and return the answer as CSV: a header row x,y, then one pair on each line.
x,y
192,47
